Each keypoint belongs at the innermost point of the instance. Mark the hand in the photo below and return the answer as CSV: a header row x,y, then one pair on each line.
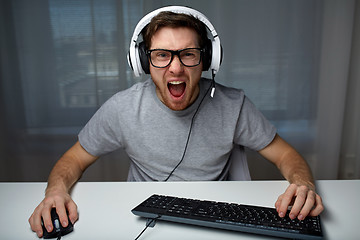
x,y
63,204
304,200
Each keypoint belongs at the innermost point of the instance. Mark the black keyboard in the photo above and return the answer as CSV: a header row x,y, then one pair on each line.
x,y
230,216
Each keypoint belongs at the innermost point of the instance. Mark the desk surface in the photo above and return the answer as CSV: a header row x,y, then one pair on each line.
x,y
104,208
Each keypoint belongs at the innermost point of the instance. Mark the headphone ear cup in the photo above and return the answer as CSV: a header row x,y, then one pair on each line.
x,y
144,61
207,55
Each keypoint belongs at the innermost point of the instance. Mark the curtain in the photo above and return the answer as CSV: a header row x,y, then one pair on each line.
x,y
62,59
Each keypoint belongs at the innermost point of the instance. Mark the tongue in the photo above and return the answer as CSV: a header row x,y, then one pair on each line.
x,y
177,89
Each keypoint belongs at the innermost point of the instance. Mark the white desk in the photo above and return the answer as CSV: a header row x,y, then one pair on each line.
x,y
104,208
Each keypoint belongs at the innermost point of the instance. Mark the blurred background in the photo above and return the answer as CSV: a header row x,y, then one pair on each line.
x,y
297,60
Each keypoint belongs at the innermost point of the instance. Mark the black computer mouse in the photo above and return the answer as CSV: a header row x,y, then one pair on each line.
x,y
58,230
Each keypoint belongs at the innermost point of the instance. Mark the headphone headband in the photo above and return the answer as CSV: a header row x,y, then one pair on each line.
x,y
133,55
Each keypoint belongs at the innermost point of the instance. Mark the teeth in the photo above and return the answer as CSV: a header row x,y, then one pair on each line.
x,y
176,82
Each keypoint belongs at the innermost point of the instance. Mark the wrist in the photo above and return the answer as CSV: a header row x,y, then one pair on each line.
x,y
55,189
299,181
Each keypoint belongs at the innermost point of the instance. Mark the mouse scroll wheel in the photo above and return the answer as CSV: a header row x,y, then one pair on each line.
x,y
57,225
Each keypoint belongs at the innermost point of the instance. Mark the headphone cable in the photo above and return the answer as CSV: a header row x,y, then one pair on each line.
x,y
212,87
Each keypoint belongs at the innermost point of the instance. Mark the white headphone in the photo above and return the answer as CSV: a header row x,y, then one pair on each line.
x,y
134,55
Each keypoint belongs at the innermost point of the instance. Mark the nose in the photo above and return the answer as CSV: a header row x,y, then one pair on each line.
x,y
176,66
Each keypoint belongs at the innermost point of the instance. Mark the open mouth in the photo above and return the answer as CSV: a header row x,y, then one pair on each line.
x,y
176,88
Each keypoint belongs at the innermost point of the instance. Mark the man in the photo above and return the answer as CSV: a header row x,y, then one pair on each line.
x,y
172,129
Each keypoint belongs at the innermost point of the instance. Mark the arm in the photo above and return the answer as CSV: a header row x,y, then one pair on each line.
x,y
301,192
63,176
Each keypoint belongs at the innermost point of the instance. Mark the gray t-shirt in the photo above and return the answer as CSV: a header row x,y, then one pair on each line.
x,y
154,136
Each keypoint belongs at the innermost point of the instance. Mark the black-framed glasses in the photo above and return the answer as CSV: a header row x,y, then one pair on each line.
x,y
161,58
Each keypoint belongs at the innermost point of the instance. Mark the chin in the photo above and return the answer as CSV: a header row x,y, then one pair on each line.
x,y
176,106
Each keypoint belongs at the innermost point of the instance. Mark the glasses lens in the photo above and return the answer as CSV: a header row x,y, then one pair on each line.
x,y
190,57
160,58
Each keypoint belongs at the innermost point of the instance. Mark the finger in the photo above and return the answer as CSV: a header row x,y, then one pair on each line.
x,y
72,211
61,211
300,200
319,207
35,223
46,216
309,204
278,203
287,199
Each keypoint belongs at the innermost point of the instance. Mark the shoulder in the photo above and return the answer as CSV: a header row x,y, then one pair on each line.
x,y
134,89
224,94
123,102
230,92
